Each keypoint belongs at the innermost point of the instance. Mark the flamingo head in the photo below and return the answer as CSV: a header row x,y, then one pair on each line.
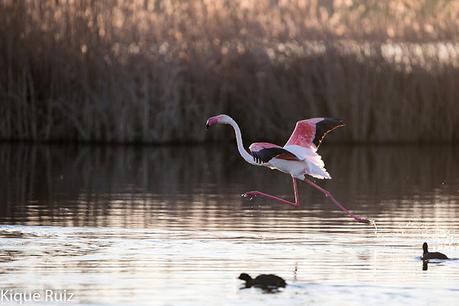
x,y
219,119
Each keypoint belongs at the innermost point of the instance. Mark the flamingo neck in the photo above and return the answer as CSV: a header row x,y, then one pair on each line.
x,y
240,146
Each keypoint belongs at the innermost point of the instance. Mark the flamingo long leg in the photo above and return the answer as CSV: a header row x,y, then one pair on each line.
x,y
253,194
340,206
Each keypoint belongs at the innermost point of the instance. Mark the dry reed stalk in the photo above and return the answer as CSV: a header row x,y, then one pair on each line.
x,y
152,71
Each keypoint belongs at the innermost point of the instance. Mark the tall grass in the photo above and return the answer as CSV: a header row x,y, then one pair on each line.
x,y
154,70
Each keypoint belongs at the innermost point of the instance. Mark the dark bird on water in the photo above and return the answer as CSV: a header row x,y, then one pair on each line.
x,y
263,281
431,255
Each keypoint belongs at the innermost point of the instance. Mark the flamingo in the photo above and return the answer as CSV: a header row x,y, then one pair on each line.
x,y
298,157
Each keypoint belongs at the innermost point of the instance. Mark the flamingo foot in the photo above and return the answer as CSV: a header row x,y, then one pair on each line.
x,y
362,220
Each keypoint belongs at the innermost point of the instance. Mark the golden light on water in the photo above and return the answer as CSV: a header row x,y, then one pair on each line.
x,y
116,226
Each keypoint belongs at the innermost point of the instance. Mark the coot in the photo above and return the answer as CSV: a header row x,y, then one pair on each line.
x,y
431,255
263,281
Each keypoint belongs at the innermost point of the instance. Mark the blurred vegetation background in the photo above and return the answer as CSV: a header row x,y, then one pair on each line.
x,y
152,71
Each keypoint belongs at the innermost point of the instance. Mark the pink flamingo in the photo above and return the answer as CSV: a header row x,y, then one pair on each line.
x,y
298,157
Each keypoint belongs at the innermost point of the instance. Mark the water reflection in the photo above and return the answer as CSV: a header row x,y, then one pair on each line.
x,y
425,265
134,186
120,225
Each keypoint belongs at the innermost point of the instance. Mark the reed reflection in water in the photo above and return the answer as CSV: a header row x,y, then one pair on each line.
x,y
158,225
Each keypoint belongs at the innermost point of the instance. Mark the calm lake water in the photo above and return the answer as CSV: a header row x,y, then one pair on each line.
x,y
167,226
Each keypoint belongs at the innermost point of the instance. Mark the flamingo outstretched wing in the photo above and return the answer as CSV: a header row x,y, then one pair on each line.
x,y
263,152
310,132
305,140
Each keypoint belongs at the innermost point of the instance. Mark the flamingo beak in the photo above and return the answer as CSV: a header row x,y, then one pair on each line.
x,y
207,124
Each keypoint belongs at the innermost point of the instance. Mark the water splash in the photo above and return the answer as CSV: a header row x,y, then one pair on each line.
x,y
373,223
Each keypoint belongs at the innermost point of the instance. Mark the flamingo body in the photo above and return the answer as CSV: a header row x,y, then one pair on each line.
x,y
292,159
298,157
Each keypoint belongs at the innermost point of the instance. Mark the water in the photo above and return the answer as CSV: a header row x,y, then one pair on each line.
x,y
167,226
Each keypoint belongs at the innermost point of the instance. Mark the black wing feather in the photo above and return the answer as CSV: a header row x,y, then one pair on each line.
x,y
324,127
265,155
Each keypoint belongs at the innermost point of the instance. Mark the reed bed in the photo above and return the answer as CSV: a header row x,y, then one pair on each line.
x,y
153,71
